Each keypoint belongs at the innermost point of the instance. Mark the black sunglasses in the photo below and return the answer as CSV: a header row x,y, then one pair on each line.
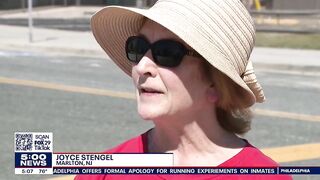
x,y
167,53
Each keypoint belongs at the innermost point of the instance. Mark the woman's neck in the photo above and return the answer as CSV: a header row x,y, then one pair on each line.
x,y
191,140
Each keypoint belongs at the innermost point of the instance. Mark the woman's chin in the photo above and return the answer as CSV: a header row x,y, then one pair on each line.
x,y
148,114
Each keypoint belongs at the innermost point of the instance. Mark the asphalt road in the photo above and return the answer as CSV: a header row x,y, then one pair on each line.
x,y
89,121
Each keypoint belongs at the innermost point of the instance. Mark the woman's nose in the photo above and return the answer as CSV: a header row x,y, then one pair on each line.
x,y
146,66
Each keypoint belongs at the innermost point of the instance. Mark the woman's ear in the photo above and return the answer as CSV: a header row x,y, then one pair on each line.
x,y
212,94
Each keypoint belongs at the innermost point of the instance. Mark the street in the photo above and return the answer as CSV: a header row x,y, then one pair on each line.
x,y
87,103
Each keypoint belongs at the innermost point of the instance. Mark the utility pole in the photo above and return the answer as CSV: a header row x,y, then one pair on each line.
x,y
22,4
30,21
78,2
140,3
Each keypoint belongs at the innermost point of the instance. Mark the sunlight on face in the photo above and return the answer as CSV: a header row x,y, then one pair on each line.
x,y
168,92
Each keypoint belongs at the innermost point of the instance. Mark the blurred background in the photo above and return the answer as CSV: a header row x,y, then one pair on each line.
x,y
54,77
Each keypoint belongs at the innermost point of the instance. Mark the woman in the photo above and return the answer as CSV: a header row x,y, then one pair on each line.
x,y
189,61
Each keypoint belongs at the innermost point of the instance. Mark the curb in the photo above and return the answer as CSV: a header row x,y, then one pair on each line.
x,y
287,68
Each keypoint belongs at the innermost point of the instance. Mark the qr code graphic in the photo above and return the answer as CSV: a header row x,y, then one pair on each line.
x,y
24,142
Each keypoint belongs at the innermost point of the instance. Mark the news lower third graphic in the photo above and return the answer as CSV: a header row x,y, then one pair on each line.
x,y
33,152
34,155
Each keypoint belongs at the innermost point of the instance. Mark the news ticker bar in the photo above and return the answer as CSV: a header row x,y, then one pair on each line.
x,y
172,170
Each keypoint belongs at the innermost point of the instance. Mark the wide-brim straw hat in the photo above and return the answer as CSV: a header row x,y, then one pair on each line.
x,y
221,31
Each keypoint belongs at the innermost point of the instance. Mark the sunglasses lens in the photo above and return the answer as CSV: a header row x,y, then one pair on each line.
x,y
165,53
136,48
168,53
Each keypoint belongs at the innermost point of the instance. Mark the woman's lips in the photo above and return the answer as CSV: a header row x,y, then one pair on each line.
x,y
150,91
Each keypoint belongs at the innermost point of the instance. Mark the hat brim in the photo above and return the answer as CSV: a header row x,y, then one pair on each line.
x,y
112,25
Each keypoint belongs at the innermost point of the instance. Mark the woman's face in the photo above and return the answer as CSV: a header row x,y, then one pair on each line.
x,y
168,92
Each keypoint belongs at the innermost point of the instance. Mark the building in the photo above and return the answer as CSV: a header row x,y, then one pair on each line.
x,y
17,4
295,4
268,4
